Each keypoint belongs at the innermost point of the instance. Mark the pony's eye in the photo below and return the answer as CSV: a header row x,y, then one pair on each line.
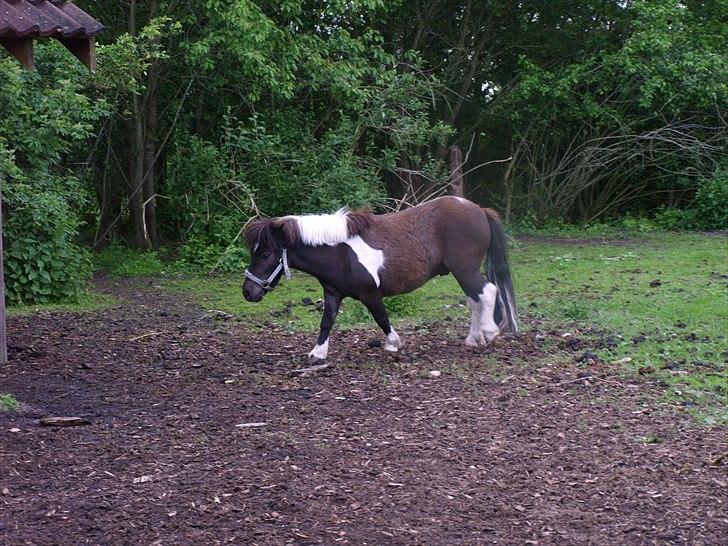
x,y
265,255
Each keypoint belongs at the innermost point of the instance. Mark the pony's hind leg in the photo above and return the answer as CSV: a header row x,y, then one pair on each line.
x,y
482,296
378,311
475,336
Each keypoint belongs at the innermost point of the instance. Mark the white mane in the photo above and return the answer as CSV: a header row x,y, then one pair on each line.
x,y
323,229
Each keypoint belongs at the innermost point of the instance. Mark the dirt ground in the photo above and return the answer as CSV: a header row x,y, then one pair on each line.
x,y
513,444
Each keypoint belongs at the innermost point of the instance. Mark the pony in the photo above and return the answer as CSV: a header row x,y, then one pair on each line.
x,y
368,257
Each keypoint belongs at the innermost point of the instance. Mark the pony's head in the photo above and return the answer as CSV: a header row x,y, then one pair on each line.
x,y
268,240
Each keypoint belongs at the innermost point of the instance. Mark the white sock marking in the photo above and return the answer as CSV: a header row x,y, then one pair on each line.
x,y
393,342
371,258
487,325
482,326
320,351
475,336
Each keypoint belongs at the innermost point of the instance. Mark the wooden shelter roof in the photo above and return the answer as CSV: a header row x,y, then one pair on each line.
x,y
44,18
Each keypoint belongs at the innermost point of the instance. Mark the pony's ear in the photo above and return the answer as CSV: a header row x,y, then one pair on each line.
x,y
288,230
259,232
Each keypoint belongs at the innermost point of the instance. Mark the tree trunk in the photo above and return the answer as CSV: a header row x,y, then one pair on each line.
x,y
149,190
455,161
140,235
110,198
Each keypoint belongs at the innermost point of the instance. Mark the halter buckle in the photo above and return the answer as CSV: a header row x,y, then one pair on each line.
x,y
266,284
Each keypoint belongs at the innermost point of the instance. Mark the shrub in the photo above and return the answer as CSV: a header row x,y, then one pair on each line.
x,y
43,120
711,201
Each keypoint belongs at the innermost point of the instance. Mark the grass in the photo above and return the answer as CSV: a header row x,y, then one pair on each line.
x,y
121,261
8,402
658,298
661,300
87,303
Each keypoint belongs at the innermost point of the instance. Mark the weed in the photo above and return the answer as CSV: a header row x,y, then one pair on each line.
x,y
8,402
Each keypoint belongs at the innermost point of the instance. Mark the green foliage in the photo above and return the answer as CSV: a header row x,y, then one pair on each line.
x,y
288,160
711,201
121,261
610,129
709,209
44,117
8,402
122,63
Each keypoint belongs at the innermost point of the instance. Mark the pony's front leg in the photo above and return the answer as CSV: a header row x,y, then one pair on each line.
x,y
332,302
378,311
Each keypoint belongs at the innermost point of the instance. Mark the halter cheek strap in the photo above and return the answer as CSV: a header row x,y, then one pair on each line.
x,y
266,284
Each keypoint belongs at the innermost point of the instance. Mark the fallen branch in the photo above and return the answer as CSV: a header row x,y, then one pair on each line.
x,y
303,372
64,421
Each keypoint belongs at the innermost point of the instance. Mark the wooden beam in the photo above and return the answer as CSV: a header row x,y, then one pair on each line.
x,y
21,49
83,48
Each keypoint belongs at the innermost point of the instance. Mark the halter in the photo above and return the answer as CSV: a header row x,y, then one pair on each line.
x,y
266,284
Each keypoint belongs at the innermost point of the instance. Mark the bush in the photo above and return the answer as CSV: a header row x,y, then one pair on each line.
x,y
43,121
711,201
709,209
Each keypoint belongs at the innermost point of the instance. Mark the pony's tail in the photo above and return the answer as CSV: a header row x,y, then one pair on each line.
x,y
497,272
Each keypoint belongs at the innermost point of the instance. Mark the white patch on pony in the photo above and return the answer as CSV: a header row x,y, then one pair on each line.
x,y
393,342
483,328
323,229
371,258
255,248
475,336
487,324
320,351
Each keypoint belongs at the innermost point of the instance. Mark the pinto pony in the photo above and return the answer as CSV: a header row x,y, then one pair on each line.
x,y
368,257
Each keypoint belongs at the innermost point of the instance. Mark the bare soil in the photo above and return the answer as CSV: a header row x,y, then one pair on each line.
x,y
516,443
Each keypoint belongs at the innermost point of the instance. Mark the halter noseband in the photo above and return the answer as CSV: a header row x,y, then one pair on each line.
x,y
266,284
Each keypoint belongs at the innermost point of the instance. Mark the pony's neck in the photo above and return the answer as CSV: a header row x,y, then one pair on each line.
x,y
305,258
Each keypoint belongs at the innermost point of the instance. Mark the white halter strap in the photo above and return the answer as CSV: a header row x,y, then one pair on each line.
x,y
266,284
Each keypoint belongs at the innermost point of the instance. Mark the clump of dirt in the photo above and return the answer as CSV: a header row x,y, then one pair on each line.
x,y
197,434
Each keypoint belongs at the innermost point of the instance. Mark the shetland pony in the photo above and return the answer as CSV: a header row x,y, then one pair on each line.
x,y
368,257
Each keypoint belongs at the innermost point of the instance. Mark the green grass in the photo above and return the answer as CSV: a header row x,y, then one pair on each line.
x,y
121,261
675,330
8,402
661,299
87,302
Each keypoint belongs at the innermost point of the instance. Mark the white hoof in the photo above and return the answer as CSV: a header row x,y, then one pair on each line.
x,y
470,341
393,342
491,335
320,352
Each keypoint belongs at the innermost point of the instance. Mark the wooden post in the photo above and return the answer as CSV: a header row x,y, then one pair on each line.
x,y
3,334
84,49
21,49
455,162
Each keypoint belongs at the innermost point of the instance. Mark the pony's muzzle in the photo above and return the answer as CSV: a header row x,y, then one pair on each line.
x,y
252,292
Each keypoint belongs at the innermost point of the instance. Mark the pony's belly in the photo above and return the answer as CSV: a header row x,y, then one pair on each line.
x,y
407,284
